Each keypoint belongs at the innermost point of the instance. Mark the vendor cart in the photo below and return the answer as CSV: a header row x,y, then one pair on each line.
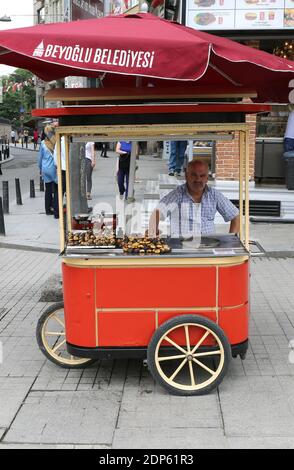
x,y
185,310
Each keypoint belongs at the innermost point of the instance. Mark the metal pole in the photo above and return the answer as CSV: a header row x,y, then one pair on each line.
x,y
18,192
132,171
5,190
2,226
32,188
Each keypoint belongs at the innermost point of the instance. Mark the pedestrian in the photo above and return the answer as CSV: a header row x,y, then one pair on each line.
x,y
63,164
36,138
104,150
177,156
48,172
90,165
289,134
12,137
26,137
123,148
20,135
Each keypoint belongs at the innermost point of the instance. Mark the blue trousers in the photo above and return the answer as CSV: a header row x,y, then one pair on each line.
x,y
122,178
177,155
288,144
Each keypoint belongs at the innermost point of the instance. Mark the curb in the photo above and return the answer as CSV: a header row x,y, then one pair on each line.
x,y
15,246
23,148
7,160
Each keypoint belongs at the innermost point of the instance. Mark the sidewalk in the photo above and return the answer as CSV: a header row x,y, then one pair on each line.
x,y
23,147
28,226
114,404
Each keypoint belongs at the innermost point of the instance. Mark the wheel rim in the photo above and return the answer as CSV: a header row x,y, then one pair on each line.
x,y
53,339
183,366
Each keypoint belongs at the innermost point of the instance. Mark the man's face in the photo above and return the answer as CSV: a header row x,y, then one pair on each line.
x,y
196,177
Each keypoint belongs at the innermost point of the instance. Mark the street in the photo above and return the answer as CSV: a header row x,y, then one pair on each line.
x,y
115,404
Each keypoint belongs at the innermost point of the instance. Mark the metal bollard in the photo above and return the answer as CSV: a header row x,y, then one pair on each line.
x,y
41,184
2,226
5,190
32,188
18,192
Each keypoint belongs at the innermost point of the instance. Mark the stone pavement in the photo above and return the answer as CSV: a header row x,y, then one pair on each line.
x,y
115,404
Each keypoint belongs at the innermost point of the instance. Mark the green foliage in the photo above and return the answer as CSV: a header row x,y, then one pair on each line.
x,y
22,97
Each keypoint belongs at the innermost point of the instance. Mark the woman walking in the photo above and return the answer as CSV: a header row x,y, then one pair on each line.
x,y
48,171
90,165
123,149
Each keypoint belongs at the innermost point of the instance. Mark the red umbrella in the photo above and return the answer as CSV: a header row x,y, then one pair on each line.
x,y
147,46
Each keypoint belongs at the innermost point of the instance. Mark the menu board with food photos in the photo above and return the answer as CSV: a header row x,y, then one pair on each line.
x,y
240,14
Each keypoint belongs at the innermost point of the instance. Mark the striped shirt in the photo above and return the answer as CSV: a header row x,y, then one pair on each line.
x,y
188,218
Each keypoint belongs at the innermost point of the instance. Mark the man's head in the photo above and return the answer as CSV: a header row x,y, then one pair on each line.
x,y
197,176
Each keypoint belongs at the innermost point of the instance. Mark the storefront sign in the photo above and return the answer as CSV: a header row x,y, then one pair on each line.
x,y
75,82
86,9
240,14
117,7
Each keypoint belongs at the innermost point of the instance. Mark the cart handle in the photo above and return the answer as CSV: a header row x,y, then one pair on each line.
x,y
261,251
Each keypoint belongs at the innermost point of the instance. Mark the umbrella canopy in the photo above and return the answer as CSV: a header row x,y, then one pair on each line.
x,y
147,46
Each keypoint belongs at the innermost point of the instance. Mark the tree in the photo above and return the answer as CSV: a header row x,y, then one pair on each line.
x,y
18,93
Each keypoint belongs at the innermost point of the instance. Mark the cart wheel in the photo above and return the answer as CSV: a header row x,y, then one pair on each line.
x,y
51,339
189,355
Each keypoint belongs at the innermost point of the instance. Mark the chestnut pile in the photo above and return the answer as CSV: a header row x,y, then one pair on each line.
x,y
145,245
89,239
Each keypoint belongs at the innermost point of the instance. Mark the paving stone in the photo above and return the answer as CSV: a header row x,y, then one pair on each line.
x,y
2,432
260,443
12,395
148,406
67,418
255,410
169,438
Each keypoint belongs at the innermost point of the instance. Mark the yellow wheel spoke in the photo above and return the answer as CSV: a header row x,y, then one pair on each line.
x,y
59,345
212,372
178,369
175,344
210,353
192,374
187,338
55,333
58,320
170,358
200,341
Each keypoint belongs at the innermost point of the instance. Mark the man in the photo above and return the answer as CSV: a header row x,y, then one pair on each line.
x,y
12,136
289,134
193,205
177,156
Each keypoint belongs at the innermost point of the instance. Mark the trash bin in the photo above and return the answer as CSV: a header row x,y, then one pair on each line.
x,y
289,159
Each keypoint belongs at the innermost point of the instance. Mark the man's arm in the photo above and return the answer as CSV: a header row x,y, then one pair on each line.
x,y
235,225
153,229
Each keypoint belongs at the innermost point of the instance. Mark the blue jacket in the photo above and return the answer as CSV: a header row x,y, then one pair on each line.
x,y
46,164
